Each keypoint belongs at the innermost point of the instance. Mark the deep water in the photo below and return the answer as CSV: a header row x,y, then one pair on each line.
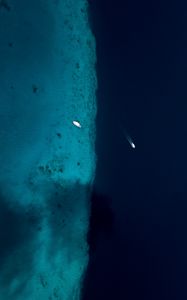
x,y
138,248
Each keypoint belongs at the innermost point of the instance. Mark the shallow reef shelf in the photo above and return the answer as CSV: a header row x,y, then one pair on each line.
x,y
48,86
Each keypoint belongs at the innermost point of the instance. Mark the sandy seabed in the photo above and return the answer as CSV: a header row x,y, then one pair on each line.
x,y
48,80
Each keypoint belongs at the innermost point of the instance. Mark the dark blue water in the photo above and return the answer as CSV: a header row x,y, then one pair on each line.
x,y
138,234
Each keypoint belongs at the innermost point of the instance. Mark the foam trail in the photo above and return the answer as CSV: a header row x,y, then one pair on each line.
x,y
129,139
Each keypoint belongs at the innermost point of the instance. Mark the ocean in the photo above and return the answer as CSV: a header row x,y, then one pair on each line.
x,y
138,227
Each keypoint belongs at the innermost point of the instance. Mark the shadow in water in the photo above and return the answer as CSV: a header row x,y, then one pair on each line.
x,y
17,232
101,220
101,230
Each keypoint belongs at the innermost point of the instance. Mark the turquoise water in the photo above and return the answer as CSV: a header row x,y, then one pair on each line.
x,y
48,80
